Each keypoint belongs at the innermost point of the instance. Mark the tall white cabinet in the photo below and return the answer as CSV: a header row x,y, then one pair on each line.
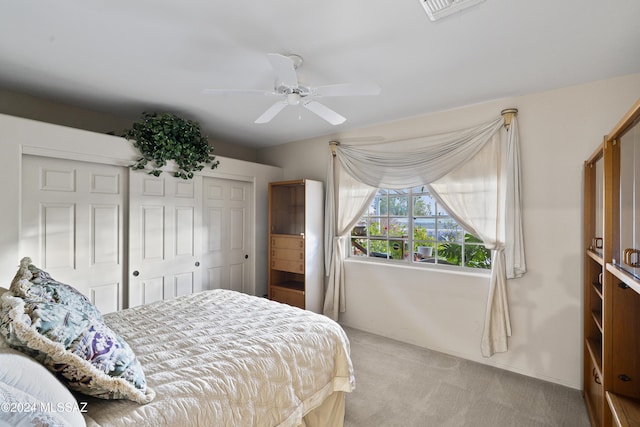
x,y
296,255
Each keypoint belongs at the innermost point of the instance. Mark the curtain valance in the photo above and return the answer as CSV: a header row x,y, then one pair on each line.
x,y
417,161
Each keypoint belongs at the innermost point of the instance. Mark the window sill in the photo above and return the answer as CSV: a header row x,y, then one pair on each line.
x,y
448,269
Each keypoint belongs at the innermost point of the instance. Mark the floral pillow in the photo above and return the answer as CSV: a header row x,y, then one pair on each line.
x,y
35,285
69,337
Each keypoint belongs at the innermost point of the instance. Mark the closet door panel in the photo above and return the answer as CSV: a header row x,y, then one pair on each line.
x,y
126,238
227,247
72,225
165,237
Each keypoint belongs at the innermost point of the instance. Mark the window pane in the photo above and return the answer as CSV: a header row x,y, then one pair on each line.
x,y
424,229
477,256
360,229
359,247
398,227
450,253
475,253
378,226
398,205
378,206
449,230
418,190
423,205
378,248
401,192
396,249
441,211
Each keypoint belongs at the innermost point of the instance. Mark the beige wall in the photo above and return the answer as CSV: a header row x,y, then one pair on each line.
x,y
445,311
30,107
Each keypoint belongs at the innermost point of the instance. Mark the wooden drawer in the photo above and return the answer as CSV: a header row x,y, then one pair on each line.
x,y
287,265
288,296
287,254
287,242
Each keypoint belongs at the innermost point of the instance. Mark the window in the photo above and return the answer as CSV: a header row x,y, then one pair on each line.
x,y
410,226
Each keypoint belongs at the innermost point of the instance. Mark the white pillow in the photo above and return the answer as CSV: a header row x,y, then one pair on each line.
x,y
30,395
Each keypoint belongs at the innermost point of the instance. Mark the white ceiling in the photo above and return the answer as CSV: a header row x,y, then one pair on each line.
x,y
129,56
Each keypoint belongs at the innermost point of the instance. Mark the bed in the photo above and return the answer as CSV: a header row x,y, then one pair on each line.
x,y
221,358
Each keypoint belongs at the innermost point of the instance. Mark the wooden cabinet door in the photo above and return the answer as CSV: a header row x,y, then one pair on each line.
x,y
629,201
593,392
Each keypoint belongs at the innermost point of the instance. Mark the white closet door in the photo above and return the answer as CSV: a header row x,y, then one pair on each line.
x,y
165,237
72,225
228,220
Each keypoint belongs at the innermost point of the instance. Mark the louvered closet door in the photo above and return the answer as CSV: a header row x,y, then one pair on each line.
x,y
227,248
72,225
165,237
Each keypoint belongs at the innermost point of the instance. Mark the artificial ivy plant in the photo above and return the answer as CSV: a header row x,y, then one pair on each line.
x,y
164,137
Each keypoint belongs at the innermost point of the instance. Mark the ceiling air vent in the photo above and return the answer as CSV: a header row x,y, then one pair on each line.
x,y
437,9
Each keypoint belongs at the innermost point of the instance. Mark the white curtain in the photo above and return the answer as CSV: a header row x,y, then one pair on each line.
x,y
471,172
346,200
516,265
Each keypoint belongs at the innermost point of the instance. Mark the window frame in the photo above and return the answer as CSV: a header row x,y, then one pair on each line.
x,y
408,240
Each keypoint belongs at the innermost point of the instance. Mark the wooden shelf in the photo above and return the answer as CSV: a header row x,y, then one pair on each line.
x,y
595,351
625,411
624,277
290,285
597,317
595,256
598,288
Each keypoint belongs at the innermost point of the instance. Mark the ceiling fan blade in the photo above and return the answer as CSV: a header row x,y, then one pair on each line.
x,y
271,112
284,68
348,89
236,91
325,112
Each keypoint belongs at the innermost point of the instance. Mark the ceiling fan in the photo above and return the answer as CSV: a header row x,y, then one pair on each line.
x,y
291,92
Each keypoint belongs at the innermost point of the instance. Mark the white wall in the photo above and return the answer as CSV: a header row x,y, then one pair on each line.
x,y
443,311
18,136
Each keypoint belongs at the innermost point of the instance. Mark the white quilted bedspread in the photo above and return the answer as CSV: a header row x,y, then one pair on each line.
x,y
223,358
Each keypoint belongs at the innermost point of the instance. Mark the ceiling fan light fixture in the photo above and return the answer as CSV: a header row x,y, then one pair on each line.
x,y
293,98
437,9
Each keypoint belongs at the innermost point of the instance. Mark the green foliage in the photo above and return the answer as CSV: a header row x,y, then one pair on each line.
x,y
164,137
422,238
475,255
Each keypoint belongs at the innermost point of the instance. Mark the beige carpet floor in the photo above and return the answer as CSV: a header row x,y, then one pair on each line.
x,y
402,385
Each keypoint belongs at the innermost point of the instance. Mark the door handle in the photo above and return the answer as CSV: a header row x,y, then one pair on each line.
x,y
246,256
136,273
627,257
197,263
